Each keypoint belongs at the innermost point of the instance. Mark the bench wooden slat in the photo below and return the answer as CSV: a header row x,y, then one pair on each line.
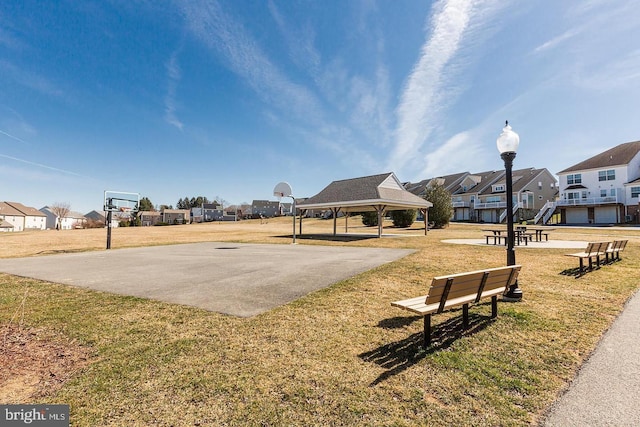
x,y
460,289
594,250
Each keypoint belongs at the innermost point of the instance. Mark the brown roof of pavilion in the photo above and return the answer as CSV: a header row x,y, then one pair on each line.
x,y
363,194
617,156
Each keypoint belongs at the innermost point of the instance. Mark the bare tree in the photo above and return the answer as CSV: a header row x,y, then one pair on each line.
x,y
61,210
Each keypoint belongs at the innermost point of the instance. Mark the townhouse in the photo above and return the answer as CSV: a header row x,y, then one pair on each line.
x,y
603,189
532,190
481,197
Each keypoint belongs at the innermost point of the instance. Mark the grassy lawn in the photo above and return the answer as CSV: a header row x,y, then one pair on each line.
x,y
339,356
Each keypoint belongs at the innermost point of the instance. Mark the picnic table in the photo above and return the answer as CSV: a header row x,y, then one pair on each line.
x,y
498,234
539,232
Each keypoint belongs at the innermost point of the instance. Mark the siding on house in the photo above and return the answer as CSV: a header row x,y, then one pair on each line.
x,y
266,208
12,216
21,217
603,189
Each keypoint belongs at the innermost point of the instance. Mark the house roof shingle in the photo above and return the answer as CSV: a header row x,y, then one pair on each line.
x,y
7,209
619,155
26,210
449,183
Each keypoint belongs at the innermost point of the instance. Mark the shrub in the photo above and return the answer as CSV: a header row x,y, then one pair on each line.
x,y
442,210
370,219
403,218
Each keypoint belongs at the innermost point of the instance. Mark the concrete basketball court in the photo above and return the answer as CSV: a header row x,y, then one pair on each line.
x,y
232,278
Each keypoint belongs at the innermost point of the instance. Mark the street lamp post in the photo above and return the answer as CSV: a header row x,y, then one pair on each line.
x,y
508,142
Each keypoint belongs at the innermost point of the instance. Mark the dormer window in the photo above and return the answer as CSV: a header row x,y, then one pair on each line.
x,y
498,188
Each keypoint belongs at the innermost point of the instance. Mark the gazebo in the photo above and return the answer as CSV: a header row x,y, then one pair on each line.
x,y
379,193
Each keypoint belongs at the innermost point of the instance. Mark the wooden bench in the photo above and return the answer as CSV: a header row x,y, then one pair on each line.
x,y
593,251
461,289
614,250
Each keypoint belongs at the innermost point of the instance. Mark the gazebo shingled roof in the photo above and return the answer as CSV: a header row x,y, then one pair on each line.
x,y
379,193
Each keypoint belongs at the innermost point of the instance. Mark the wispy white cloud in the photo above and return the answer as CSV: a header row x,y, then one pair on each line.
x,y
300,42
554,42
429,89
40,165
441,160
173,75
228,38
617,74
295,107
13,137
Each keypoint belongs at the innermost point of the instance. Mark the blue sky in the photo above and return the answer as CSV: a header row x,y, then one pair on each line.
x,y
228,98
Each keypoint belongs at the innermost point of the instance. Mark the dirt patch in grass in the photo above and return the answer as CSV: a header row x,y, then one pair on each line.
x,y
36,362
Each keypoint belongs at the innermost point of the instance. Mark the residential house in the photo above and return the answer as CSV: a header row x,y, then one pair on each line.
x,y
97,216
532,189
176,216
265,208
466,201
449,182
207,212
12,216
481,197
70,221
101,216
5,226
30,219
604,189
149,218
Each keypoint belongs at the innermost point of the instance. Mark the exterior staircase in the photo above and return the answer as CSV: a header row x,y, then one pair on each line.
x,y
503,215
545,213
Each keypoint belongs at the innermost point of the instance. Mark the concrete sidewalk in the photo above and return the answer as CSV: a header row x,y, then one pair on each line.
x,y
606,391
232,278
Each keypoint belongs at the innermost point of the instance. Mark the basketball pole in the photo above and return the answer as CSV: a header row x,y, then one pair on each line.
x,y
109,214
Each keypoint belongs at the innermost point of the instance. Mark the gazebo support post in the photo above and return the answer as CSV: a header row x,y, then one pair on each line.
x,y
335,219
425,216
346,222
380,209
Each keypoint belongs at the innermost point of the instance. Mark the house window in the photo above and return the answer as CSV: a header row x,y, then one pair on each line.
x,y
612,193
608,175
573,196
603,193
498,188
493,199
574,178
635,191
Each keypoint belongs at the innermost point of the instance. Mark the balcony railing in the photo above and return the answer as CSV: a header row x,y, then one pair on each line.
x,y
460,204
491,205
588,202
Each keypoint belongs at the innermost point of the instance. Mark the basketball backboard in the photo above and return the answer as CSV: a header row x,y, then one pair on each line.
x,y
282,189
120,201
